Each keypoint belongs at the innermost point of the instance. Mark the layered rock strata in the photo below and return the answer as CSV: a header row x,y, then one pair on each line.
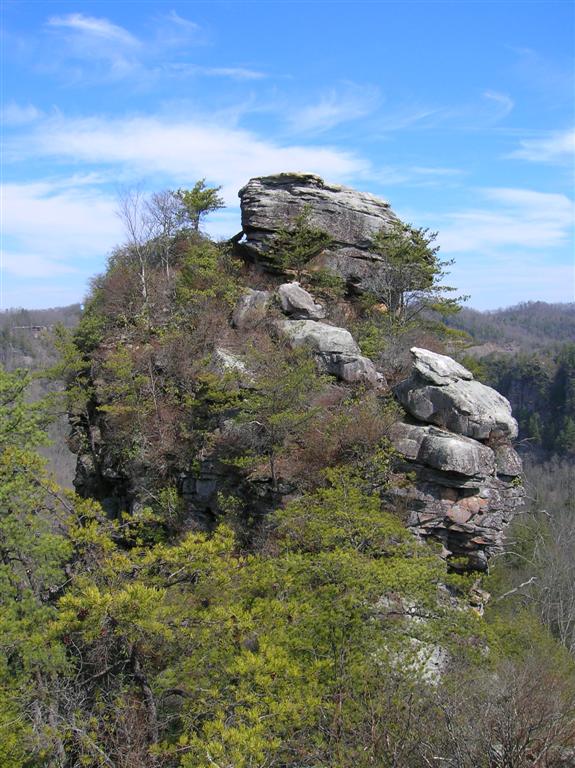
x,y
271,203
467,476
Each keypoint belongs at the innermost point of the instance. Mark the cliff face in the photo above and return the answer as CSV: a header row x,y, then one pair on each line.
x,y
454,441
467,475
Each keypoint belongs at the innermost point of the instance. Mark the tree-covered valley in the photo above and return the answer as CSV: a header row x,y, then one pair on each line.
x,y
254,566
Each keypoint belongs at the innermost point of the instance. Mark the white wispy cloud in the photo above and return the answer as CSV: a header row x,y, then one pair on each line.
x,y
87,49
510,247
233,73
516,218
480,113
503,103
13,114
63,225
347,102
99,28
558,146
181,150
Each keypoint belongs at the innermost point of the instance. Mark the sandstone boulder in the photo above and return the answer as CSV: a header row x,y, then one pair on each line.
x,y
250,309
336,348
442,392
321,337
296,302
443,450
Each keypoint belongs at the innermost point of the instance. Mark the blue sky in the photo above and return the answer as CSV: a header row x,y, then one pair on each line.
x,y
461,114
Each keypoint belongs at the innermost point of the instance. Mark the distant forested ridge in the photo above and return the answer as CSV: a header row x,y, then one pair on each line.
x,y
531,325
527,353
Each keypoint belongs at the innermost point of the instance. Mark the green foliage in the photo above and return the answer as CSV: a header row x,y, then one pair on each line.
x,y
311,650
297,244
542,393
208,274
280,406
327,284
412,279
198,201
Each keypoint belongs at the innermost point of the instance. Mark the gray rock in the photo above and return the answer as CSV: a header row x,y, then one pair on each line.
x,y
226,361
507,461
355,370
438,369
336,348
250,309
463,493
321,337
444,393
453,453
351,218
298,303
442,450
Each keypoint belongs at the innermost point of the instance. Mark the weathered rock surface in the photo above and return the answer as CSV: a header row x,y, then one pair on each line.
x,y
250,309
465,491
296,302
335,347
321,337
442,392
351,218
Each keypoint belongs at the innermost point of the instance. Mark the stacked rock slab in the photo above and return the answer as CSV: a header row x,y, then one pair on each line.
x,y
334,347
271,203
457,443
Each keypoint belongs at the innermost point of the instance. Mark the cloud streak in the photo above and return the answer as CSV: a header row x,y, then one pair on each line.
x,y
181,150
517,218
338,105
90,26
556,147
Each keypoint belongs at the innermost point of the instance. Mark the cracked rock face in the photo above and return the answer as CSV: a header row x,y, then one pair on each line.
x,y
351,218
442,392
465,491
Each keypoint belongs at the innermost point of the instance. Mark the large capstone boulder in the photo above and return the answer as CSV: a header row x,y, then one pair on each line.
x,y
270,204
442,392
296,302
336,349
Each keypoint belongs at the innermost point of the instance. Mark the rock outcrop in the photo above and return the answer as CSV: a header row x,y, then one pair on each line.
x,y
351,218
467,475
250,309
335,347
455,441
444,393
296,302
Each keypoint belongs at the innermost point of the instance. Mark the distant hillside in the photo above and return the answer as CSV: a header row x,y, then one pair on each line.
x,y
530,326
527,353
26,338
26,341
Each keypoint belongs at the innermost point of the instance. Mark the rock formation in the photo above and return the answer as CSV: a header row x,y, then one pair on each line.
x,y
336,349
467,476
351,218
296,302
455,440
442,392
